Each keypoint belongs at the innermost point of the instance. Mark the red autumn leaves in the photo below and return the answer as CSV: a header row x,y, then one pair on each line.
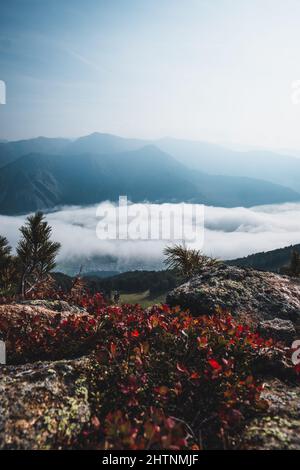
x,y
135,334
214,364
155,375
158,369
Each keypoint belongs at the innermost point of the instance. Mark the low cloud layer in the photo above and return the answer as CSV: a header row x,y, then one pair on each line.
x,y
228,234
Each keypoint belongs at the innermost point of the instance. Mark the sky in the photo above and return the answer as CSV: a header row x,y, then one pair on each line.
x,y
226,233
215,70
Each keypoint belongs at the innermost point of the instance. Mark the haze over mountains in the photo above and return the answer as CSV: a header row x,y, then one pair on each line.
x,y
44,173
262,164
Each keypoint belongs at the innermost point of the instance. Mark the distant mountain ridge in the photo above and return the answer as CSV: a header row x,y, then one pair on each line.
x,y
104,144
38,181
215,159
43,173
11,151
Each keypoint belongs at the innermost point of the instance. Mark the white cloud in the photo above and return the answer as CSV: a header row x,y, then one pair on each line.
x,y
228,233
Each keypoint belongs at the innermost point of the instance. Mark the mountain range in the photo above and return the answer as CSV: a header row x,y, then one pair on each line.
x,y
262,164
44,173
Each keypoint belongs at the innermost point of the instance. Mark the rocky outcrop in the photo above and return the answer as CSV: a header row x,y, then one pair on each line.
x,y
279,330
279,428
43,405
49,312
252,295
54,305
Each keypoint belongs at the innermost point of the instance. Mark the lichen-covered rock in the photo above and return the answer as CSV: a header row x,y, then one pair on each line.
x,y
274,362
279,330
253,295
12,314
279,428
53,305
43,405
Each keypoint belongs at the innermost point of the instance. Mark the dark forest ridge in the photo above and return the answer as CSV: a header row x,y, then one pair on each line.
x,y
273,260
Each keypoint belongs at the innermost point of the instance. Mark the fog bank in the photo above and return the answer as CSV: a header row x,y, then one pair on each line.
x,y
227,234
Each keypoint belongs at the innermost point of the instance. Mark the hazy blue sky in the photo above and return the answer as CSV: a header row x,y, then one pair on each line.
x,y
218,70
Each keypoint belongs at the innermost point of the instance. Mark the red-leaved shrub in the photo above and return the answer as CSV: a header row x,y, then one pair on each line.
x,y
158,378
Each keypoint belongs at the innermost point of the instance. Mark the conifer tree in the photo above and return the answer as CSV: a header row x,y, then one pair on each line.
x,y
36,252
6,266
5,251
